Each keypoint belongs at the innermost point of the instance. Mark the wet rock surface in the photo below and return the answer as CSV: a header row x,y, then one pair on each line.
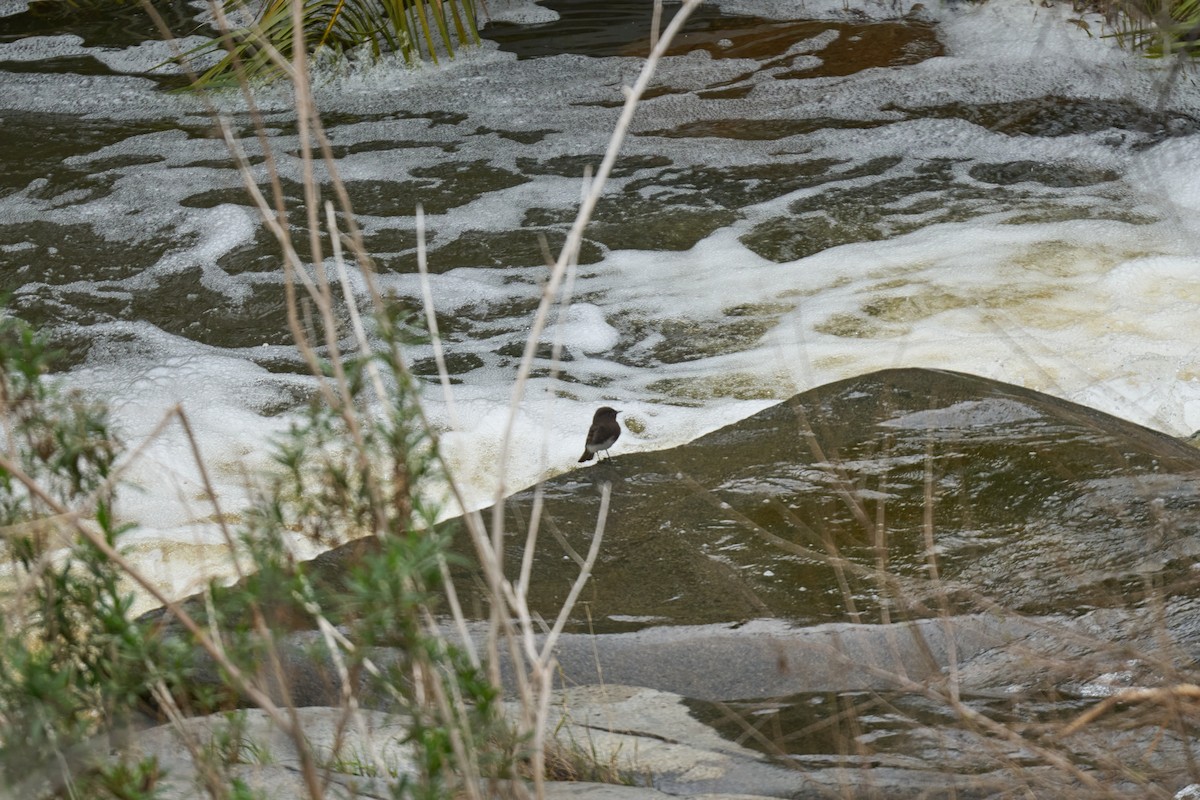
x,y
839,505
904,584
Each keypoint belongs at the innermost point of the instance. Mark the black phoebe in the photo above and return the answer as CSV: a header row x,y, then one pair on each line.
x,y
603,433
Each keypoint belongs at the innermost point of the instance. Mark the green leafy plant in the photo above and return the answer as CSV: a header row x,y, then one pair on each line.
x,y
73,663
412,29
1158,28
77,670
353,466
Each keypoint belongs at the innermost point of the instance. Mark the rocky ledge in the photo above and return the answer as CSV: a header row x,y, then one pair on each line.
x,y
906,584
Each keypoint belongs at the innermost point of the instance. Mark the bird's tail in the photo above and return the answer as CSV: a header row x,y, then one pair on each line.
x,y
586,456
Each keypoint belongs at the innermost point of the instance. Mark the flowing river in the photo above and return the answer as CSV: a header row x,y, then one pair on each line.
x,y
808,193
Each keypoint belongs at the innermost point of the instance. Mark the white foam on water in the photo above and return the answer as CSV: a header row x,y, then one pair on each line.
x,y
37,48
83,95
156,57
1167,171
519,12
1097,310
218,231
1005,32
585,329
1090,303
146,375
10,7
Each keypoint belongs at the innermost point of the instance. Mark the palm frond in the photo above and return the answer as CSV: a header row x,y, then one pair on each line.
x,y
403,27
1158,28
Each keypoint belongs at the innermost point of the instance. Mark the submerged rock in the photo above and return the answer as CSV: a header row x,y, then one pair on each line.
x,y
890,496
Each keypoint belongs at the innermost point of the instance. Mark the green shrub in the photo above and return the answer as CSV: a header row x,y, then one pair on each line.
x,y
73,664
78,672
407,28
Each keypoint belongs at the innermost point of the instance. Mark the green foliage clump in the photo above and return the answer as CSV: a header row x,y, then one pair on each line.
x,y
78,673
1157,28
358,464
62,442
73,663
404,27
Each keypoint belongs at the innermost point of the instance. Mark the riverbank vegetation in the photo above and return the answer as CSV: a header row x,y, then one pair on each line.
x,y
264,44
1154,27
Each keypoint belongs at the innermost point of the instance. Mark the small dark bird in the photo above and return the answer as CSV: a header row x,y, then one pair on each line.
x,y
603,433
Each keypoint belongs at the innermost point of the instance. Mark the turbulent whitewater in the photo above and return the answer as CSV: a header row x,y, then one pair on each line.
x,y
994,189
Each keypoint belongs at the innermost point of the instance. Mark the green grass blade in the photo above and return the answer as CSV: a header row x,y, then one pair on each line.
x,y
439,19
401,26
419,7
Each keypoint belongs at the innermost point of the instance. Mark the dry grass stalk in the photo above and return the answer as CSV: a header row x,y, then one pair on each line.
x,y
512,619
